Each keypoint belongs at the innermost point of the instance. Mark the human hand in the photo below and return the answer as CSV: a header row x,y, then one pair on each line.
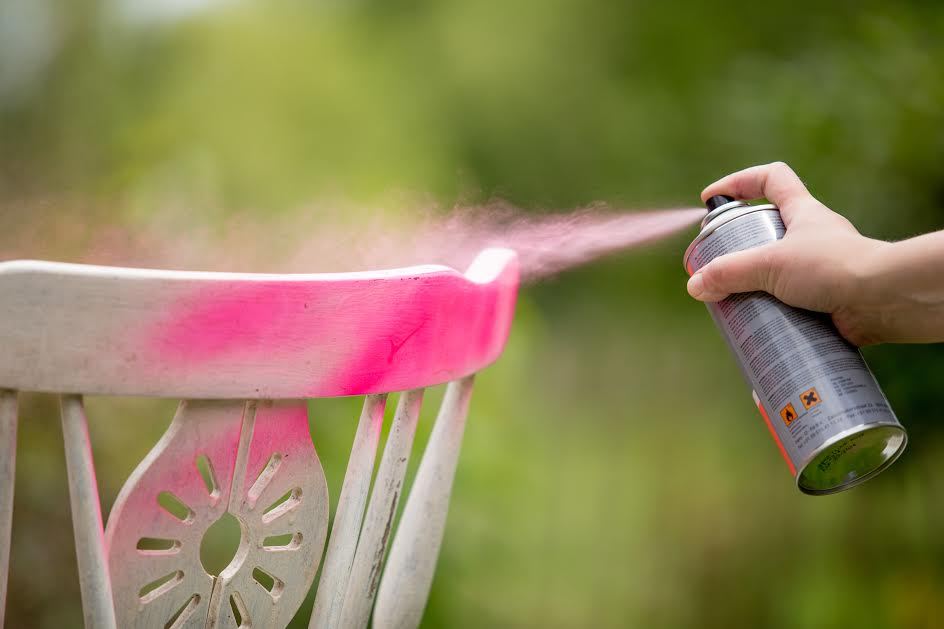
x,y
875,291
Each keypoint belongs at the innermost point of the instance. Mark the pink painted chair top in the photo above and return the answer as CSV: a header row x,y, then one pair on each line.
x,y
119,331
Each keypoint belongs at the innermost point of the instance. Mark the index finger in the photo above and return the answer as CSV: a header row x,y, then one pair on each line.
x,y
776,182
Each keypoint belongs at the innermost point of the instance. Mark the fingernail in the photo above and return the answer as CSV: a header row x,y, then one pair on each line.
x,y
696,286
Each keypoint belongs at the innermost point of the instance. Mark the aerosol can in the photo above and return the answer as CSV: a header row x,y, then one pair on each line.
x,y
819,399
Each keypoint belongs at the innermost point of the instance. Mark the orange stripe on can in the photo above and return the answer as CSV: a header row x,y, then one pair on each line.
x,y
773,433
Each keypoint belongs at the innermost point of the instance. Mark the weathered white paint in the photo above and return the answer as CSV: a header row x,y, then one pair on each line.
x,y
7,482
347,519
199,428
378,523
258,452
86,517
408,576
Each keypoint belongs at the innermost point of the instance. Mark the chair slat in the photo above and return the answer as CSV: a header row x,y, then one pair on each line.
x,y
378,523
7,474
86,517
409,573
349,515
277,459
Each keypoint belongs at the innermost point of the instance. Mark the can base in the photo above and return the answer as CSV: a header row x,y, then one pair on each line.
x,y
852,458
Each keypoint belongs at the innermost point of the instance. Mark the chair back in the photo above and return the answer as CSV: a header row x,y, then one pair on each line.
x,y
243,352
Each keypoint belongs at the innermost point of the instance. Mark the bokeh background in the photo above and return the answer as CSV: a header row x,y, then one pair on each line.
x,y
615,472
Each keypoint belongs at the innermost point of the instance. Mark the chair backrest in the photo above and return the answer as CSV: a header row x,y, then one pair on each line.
x,y
243,352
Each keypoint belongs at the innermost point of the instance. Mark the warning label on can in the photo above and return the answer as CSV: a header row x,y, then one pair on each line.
x,y
810,398
788,414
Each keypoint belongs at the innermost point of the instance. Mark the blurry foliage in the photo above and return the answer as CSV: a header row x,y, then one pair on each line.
x,y
615,472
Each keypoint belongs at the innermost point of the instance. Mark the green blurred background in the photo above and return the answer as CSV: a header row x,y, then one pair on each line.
x,y
615,472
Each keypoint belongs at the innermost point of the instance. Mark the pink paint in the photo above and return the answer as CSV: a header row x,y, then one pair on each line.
x,y
226,320
551,244
446,334
279,428
351,333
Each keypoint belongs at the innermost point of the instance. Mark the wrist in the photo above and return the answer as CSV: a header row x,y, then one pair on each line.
x,y
901,289
871,280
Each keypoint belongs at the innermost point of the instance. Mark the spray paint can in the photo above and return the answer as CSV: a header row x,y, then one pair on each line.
x,y
819,399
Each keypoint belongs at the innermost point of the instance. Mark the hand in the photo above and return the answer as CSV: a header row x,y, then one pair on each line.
x,y
875,291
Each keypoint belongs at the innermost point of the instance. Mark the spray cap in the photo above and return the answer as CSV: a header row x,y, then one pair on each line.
x,y
717,201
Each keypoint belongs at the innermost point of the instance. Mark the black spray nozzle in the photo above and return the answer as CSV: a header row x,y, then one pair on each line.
x,y
717,201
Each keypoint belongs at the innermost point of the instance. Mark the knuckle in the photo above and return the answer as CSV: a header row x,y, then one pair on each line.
x,y
768,265
780,167
755,269
708,275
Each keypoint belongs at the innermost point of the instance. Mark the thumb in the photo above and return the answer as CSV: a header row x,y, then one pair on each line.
x,y
738,272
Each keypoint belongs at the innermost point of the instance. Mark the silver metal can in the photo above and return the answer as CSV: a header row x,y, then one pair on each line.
x,y
819,399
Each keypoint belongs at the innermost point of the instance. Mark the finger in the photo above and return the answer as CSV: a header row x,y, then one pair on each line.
x,y
739,272
776,182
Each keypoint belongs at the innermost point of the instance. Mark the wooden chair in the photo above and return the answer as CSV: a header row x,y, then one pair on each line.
x,y
243,352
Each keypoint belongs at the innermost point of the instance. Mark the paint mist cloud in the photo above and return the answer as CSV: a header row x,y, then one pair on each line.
x,y
550,244
320,239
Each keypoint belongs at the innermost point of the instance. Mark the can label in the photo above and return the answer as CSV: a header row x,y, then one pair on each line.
x,y
809,382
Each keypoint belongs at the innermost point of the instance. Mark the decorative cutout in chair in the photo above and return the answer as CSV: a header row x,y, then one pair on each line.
x,y
244,351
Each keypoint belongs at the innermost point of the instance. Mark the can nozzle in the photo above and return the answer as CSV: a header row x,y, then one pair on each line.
x,y
717,201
